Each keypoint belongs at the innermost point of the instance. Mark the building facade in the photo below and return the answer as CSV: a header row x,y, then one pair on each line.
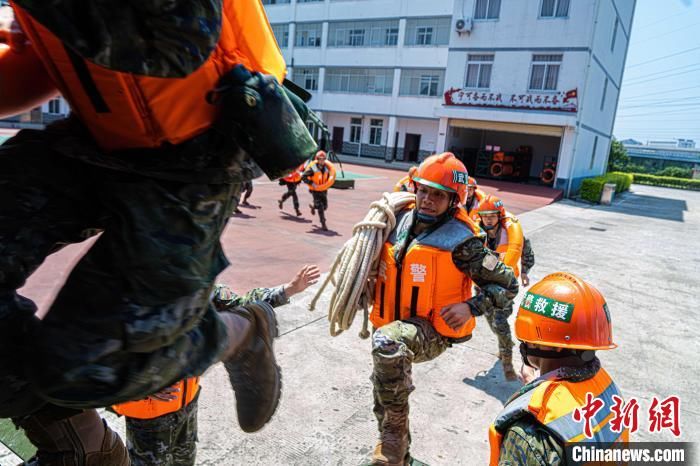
x,y
38,117
513,87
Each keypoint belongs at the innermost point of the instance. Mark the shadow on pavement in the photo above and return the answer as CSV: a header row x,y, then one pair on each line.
x,y
493,383
242,215
644,205
318,231
294,218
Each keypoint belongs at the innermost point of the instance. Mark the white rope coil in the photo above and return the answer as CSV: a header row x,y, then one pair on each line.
x,y
354,270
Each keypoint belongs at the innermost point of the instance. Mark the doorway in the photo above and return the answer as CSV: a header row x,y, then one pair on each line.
x,y
337,141
411,147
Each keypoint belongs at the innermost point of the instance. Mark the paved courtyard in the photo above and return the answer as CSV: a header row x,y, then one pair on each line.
x,y
641,252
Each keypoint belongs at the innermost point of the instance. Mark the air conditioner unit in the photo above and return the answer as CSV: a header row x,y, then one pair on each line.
x,y
463,25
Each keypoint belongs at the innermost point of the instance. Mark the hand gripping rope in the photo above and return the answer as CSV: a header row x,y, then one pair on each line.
x,y
354,271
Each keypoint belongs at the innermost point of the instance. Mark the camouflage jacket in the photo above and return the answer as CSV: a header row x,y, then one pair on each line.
x,y
527,258
497,283
164,38
528,443
224,298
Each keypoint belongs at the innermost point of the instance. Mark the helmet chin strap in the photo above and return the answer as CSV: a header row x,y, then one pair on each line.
x,y
525,351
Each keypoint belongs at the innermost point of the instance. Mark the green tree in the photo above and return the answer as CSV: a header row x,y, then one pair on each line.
x,y
618,158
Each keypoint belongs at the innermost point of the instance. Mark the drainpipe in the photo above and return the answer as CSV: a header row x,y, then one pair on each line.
x,y
580,109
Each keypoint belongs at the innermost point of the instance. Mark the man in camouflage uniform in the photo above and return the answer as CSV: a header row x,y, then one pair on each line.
x,y
397,345
533,429
497,317
170,440
134,316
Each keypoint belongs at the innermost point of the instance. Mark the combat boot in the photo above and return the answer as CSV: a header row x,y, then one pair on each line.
x,y
82,439
508,369
255,376
394,439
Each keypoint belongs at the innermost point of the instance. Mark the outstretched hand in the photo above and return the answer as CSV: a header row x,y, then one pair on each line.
x,y
305,277
167,394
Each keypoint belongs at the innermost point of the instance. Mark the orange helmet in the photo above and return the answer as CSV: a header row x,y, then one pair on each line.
x,y
320,153
471,182
444,171
492,205
563,311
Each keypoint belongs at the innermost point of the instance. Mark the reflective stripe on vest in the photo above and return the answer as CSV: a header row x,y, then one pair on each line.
x,y
124,111
552,402
322,180
426,279
150,408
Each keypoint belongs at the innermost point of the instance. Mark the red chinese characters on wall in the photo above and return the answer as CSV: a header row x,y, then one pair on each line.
x,y
558,101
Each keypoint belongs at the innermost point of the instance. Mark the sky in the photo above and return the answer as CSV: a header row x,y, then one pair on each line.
x,y
660,93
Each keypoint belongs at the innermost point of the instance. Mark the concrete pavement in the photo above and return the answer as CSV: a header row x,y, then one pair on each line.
x,y
642,253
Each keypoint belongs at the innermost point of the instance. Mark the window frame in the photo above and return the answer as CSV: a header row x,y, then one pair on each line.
x,y
303,73
375,131
285,34
355,130
555,9
479,63
54,102
317,35
487,9
429,31
546,64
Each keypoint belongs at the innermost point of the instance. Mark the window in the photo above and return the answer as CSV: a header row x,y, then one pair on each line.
x,y
428,31
308,1
554,9
307,78
281,32
421,82
605,91
595,149
424,35
308,35
392,36
275,2
614,34
363,34
375,131
479,71
355,129
55,106
359,80
487,9
544,73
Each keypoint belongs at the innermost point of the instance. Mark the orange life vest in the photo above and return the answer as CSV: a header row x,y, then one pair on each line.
x,y
426,279
510,243
295,176
321,180
479,196
151,408
124,110
551,403
404,184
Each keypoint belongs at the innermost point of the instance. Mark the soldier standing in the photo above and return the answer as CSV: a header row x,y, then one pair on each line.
x,y
423,301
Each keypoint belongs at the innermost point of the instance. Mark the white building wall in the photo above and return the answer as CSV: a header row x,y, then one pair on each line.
x,y
583,38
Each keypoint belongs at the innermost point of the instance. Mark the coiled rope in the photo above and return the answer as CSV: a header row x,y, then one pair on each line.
x,y
354,270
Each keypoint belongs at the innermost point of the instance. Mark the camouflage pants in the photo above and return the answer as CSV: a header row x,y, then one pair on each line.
x,y
395,347
168,440
498,321
134,314
291,192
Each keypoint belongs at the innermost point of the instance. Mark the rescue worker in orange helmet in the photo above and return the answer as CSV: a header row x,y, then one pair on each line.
x,y
504,236
291,181
143,158
562,321
406,183
320,176
161,430
423,302
474,197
